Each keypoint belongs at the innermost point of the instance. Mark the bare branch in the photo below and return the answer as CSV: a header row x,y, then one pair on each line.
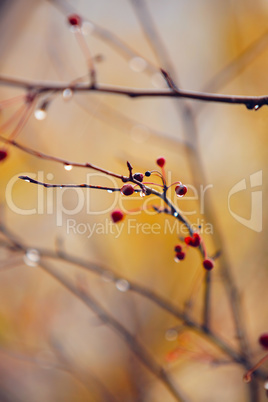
x,y
41,87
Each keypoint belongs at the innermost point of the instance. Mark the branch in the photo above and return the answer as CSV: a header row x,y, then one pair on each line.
x,y
146,190
65,162
42,87
198,173
48,185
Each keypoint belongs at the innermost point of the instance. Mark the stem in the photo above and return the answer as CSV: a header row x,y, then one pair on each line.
x,y
41,87
198,173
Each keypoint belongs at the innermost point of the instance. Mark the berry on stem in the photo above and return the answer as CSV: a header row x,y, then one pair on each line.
x,y
161,161
181,190
147,174
127,189
138,176
208,264
263,340
193,241
177,248
3,154
75,20
188,240
117,215
180,256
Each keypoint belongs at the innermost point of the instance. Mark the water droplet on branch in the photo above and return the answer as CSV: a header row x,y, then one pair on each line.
x,y
40,114
67,94
171,334
68,167
122,285
137,64
31,257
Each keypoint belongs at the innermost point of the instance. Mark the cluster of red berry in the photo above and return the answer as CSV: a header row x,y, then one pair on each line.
x,y
180,189
192,241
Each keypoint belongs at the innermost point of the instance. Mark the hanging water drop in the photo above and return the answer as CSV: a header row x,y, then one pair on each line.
x,y
137,64
122,285
67,94
171,334
40,114
31,257
68,167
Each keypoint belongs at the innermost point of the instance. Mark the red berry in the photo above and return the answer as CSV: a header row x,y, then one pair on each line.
x,y
180,255
75,19
196,240
263,340
117,215
208,264
177,248
127,189
161,161
193,241
138,176
181,190
3,154
188,240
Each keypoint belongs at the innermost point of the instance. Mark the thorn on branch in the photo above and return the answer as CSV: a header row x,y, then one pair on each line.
x,y
169,81
130,168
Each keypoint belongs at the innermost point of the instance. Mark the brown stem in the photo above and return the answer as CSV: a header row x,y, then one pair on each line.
x,y
40,87
198,173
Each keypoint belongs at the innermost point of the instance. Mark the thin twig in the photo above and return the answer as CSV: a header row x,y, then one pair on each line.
x,y
147,190
42,87
89,59
60,160
198,174
49,185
